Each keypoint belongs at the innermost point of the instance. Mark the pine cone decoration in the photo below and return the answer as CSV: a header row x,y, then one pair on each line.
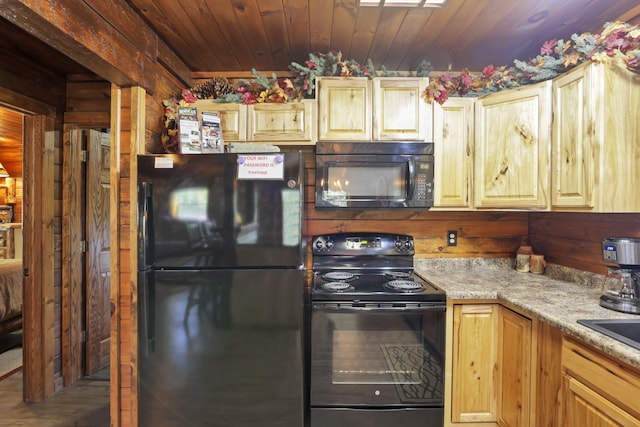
x,y
204,90
222,87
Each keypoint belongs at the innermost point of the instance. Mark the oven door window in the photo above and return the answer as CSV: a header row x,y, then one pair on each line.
x,y
377,358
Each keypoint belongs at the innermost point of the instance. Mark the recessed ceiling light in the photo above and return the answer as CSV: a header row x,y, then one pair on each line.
x,y
402,3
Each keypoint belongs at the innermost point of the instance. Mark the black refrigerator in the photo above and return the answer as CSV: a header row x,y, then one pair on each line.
x,y
221,290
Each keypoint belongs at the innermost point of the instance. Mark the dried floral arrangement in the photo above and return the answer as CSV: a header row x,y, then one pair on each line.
x,y
332,64
618,39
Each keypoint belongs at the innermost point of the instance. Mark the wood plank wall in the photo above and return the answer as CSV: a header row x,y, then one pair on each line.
x,y
167,86
56,275
88,102
573,239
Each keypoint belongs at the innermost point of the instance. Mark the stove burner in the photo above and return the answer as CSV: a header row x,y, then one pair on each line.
x,y
342,276
337,287
404,285
398,274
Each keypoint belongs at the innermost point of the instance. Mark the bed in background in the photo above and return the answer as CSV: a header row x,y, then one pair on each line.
x,y
10,295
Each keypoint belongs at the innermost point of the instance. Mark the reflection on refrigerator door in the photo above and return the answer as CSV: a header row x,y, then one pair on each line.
x,y
222,356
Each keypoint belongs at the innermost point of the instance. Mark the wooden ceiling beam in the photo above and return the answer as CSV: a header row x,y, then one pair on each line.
x,y
112,42
84,36
173,64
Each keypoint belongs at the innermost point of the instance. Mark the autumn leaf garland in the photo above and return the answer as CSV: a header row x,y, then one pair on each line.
x,y
618,39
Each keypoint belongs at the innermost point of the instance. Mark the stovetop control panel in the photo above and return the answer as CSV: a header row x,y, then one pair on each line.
x,y
362,244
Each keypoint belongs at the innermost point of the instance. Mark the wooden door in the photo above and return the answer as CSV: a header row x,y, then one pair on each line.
x,y
97,303
515,369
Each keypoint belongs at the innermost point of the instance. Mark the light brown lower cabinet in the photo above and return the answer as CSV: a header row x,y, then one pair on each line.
x,y
473,362
509,370
502,368
515,357
597,391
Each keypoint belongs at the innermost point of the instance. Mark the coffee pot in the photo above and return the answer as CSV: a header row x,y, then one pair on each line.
x,y
621,288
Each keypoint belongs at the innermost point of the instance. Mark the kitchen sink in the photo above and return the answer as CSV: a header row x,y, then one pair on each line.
x,y
624,330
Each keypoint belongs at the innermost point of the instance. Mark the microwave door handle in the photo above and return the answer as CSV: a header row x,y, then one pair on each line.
x,y
411,170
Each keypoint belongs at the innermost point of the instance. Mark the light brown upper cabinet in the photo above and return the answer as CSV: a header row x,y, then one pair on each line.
x,y
233,118
595,139
512,148
278,123
453,133
283,123
381,109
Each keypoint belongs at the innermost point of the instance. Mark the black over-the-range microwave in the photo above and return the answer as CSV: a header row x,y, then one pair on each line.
x,y
367,175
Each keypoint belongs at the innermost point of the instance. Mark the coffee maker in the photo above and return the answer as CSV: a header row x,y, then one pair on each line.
x,y
621,289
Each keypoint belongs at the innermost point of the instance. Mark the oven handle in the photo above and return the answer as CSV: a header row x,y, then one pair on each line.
x,y
378,307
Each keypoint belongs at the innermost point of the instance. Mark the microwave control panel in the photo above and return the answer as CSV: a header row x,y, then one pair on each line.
x,y
423,179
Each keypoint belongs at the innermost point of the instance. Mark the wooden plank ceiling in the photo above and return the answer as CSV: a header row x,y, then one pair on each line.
x,y
238,35
11,142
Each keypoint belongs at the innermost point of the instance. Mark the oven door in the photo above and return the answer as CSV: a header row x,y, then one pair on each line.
x,y
365,355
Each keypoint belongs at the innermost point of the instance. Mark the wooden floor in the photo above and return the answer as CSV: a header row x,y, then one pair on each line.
x,y
84,404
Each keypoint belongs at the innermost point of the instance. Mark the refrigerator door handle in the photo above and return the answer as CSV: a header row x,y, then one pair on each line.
x,y
145,236
147,316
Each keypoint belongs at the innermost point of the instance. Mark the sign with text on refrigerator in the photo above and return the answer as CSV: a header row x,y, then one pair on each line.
x,y
261,166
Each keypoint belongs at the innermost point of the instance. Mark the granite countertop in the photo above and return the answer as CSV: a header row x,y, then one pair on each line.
x,y
559,297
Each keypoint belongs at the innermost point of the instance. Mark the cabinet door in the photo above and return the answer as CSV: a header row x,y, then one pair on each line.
x,y
399,112
515,372
233,118
585,408
293,121
474,387
572,138
453,157
344,108
512,144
